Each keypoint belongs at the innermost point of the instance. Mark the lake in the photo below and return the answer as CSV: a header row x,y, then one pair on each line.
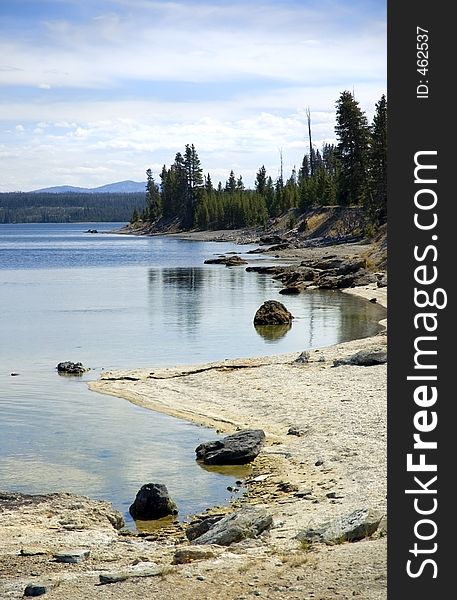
x,y
116,301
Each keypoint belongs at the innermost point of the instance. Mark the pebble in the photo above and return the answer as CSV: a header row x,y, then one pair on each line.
x,y
201,578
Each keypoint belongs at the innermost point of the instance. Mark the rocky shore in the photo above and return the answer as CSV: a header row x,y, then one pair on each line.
x,y
313,519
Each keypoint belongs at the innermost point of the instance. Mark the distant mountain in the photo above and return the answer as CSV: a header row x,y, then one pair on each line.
x,y
121,187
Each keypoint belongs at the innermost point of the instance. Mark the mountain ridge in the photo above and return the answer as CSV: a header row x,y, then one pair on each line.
x,y
120,187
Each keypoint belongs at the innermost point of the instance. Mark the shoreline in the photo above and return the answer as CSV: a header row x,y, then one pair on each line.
x,y
338,463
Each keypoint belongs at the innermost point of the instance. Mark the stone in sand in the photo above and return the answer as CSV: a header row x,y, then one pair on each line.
x,y
248,522
272,312
364,358
152,502
236,449
350,528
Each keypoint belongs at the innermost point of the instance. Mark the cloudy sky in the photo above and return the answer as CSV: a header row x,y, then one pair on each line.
x,y
97,91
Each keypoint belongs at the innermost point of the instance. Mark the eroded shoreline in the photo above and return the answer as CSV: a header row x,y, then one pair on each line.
x,y
338,460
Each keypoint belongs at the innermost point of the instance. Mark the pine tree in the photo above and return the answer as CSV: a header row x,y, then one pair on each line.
x,y
352,150
153,209
377,205
230,184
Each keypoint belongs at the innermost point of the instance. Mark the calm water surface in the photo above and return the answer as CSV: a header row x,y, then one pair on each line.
x,y
114,301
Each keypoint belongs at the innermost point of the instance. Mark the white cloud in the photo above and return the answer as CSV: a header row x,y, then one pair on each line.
x,y
109,96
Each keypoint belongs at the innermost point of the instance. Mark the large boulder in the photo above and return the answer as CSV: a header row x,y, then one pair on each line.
x,y
272,312
236,449
152,502
350,528
248,522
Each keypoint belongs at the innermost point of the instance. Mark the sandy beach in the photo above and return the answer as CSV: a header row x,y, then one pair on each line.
x,y
337,464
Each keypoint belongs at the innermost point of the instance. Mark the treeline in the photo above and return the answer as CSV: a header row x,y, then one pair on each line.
x,y
351,172
71,207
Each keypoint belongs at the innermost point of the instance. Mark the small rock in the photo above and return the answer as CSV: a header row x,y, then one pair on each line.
x,y
303,358
290,291
106,578
14,374
200,578
41,587
319,462
373,300
72,556
295,431
287,487
152,502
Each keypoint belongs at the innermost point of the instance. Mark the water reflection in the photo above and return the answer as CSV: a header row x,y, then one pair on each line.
x,y
273,333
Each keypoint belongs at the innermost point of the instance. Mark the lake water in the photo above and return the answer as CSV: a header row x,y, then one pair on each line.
x,y
113,301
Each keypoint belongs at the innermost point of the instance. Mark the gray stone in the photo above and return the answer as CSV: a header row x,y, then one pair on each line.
x,y
248,522
152,502
364,358
292,290
239,448
350,528
272,312
72,556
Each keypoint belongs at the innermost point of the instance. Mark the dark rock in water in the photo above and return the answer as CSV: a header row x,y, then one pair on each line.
x,y
248,522
290,291
14,374
92,231
272,312
71,368
152,502
364,358
229,261
350,528
195,530
236,449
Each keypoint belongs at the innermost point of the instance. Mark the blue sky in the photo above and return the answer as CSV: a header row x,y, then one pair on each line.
x,y
96,91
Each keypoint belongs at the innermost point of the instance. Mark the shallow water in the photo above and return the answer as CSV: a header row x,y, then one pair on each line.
x,y
114,301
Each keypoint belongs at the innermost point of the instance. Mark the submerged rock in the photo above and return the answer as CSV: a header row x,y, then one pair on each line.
x,y
229,261
272,312
248,522
152,502
71,368
235,449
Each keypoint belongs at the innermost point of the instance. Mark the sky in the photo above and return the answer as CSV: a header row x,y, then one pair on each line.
x,y
98,91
